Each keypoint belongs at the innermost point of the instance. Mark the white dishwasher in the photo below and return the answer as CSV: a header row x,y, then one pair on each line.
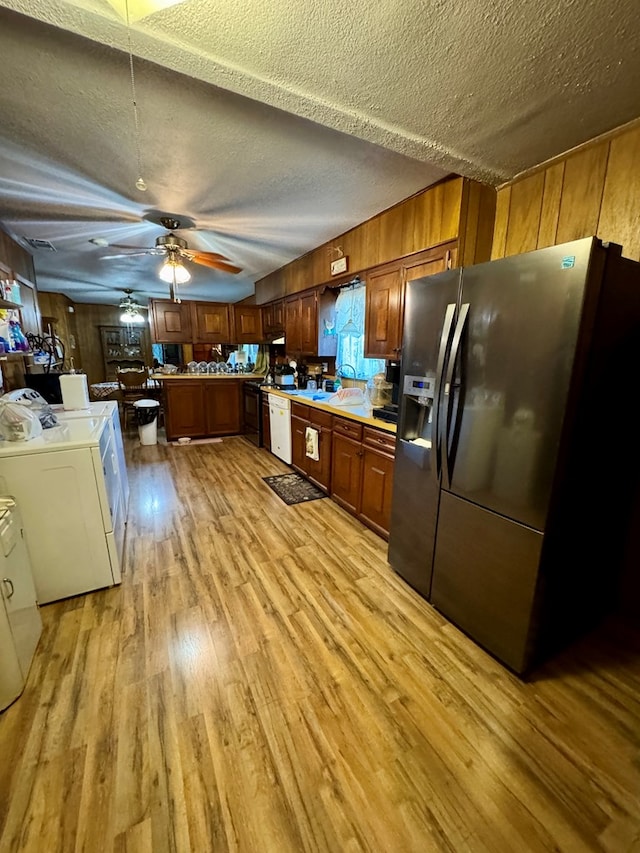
x,y
280,424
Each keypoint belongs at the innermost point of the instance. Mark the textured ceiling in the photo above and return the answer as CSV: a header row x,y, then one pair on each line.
x,y
276,126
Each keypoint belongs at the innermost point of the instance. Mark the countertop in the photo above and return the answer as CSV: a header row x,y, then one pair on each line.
x,y
181,377
354,413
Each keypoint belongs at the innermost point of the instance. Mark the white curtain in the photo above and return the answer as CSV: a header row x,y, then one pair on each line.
x,y
350,305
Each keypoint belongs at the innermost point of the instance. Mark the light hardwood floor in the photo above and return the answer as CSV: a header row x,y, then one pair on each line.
x,y
262,682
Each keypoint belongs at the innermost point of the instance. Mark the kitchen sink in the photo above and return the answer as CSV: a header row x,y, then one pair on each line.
x,y
309,395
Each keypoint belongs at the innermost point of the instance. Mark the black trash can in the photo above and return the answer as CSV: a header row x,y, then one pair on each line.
x,y
147,420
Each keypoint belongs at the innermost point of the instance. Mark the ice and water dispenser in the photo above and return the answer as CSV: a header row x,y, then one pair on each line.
x,y
417,404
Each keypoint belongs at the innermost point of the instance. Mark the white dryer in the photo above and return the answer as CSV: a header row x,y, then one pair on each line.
x,y
20,622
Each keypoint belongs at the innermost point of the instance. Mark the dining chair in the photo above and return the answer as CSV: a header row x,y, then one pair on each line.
x,y
133,386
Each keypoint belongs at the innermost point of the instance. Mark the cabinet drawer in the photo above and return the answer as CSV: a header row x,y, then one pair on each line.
x,y
385,441
299,411
351,428
319,418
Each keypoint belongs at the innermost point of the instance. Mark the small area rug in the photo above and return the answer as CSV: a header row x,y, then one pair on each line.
x,y
293,489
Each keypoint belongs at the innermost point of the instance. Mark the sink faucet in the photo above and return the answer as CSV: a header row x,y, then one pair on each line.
x,y
343,367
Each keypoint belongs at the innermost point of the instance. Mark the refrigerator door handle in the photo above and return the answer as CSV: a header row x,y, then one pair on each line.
x,y
445,343
447,395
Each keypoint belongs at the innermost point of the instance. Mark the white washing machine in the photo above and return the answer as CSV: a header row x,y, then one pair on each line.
x,y
66,483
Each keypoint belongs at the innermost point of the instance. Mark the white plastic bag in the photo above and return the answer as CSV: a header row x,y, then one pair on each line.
x,y
347,397
18,422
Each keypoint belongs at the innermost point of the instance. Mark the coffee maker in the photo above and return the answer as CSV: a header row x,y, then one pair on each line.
x,y
389,411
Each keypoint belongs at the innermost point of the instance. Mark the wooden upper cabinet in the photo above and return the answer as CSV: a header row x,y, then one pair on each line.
x,y
292,324
385,297
383,317
273,319
248,324
301,324
211,323
309,324
170,321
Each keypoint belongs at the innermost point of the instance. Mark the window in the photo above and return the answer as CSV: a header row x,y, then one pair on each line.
x,y
350,312
250,354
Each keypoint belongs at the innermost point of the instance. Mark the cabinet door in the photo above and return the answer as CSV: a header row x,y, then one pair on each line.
x,y
170,321
184,408
298,447
346,472
292,327
278,316
377,488
222,404
309,324
273,318
266,423
383,313
211,323
248,324
320,472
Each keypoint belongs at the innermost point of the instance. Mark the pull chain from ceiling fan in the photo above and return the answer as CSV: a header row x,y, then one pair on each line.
x,y
140,182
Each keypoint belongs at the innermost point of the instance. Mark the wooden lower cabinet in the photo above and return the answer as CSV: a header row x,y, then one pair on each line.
x,y
222,407
362,472
318,471
346,472
197,408
184,409
378,449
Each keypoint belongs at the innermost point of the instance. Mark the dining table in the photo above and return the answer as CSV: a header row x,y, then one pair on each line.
x,y
111,390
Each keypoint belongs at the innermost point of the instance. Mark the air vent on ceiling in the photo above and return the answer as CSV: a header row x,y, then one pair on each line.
x,y
35,243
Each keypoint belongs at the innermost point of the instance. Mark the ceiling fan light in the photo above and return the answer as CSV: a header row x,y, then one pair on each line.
x,y
131,315
173,271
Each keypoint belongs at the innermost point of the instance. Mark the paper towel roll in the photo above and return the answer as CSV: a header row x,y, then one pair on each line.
x,y
75,391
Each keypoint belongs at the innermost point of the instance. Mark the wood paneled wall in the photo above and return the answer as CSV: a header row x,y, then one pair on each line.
x,y
15,258
455,208
17,263
89,319
59,312
594,190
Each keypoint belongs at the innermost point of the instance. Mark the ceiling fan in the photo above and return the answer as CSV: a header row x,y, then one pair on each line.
x,y
131,309
175,250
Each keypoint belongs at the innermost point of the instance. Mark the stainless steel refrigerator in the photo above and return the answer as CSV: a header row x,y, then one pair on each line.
x,y
516,457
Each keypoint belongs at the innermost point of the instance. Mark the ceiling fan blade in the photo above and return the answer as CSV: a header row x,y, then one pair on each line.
x,y
134,254
123,255
213,256
216,265
122,246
